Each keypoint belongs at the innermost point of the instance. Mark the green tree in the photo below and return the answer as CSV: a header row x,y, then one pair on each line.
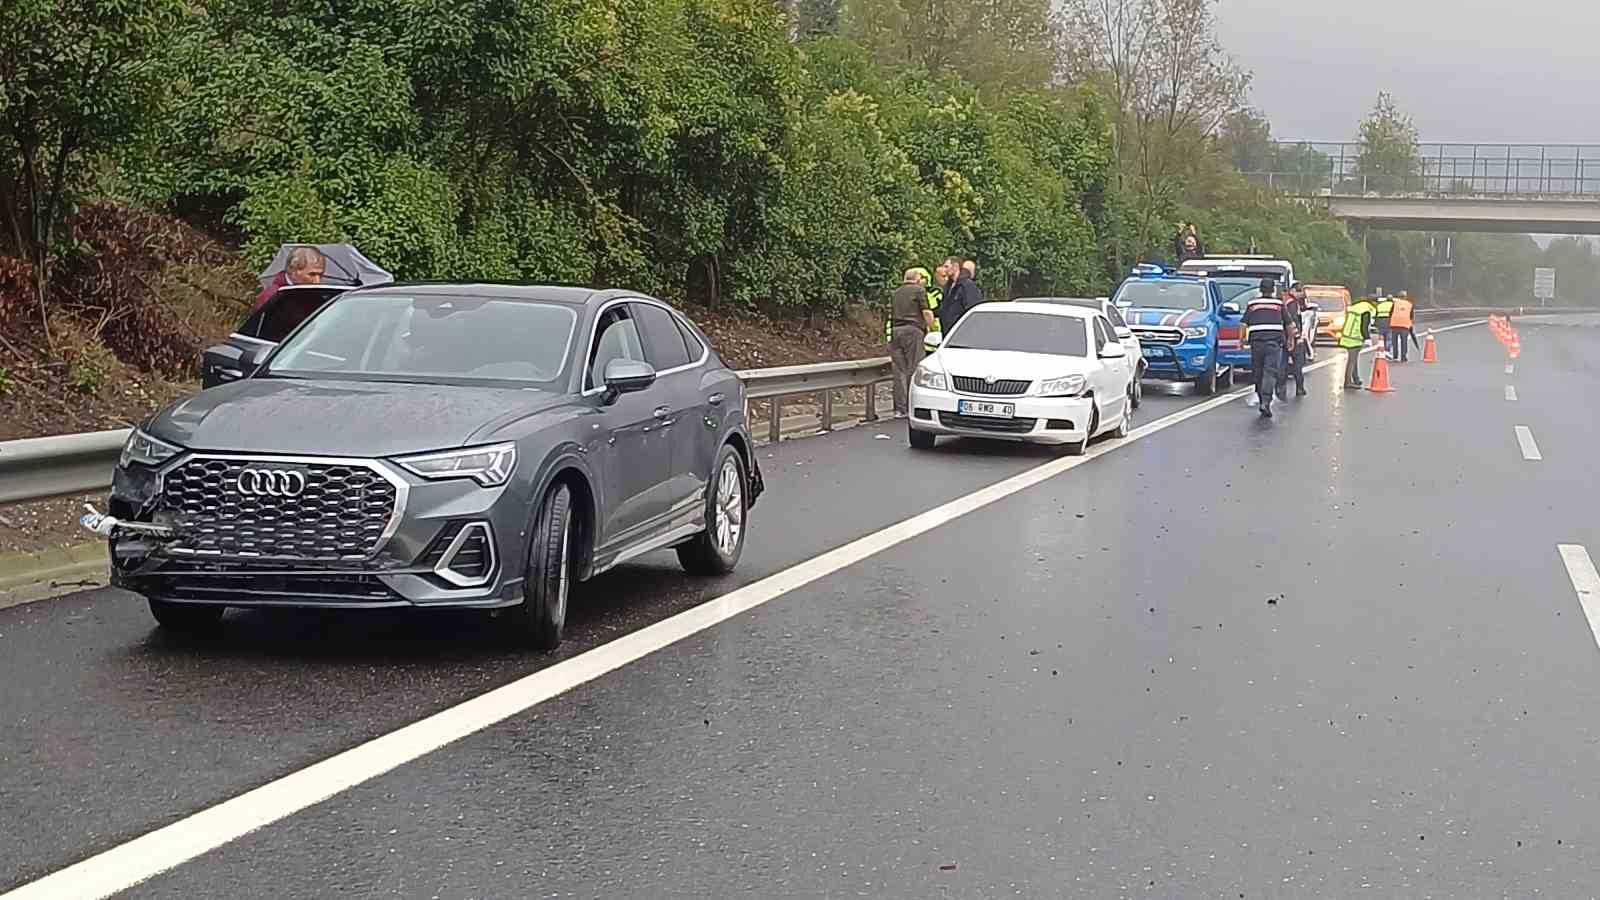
x,y
76,79
1390,158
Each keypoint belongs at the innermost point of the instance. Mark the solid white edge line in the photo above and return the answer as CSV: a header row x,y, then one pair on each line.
x,y
1530,450
1511,392
1510,369
150,854
1586,581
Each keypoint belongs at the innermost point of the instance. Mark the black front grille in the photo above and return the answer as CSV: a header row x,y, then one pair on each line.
x,y
340,514
279,587
983,423
1000,388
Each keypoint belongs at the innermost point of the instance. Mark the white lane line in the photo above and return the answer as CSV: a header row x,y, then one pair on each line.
x,y
1530,450
157,851
1511,392
1510,369
1586,581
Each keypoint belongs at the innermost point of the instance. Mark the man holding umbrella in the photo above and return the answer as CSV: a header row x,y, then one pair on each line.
x,y
306,265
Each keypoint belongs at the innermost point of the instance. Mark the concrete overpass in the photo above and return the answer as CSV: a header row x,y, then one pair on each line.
x,y
1549,189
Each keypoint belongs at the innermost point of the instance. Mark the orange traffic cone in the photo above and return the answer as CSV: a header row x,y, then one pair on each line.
x,y
1380,372
1429,354
1515,347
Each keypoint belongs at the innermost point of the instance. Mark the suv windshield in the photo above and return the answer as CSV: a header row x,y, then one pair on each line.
x,y
1021,333
448,339
1163,295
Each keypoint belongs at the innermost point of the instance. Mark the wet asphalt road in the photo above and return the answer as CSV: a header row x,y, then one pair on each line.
x,y
1080,690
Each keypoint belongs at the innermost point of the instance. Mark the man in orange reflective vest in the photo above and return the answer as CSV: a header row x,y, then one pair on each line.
x,y
1401,328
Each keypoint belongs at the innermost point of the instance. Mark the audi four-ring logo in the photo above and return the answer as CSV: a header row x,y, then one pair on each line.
x,y
271,482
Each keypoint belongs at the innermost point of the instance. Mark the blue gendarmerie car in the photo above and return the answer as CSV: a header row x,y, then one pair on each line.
x,y
434,446
1186,330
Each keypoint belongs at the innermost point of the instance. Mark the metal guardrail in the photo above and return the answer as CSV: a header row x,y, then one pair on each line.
x,y
72,464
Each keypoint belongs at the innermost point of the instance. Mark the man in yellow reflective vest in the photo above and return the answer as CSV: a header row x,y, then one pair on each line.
x,y
1385,307
1357,328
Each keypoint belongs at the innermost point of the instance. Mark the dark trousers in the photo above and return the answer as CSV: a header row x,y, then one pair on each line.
x,y
1400,347
1294,365
1266,361
1352,367
905,352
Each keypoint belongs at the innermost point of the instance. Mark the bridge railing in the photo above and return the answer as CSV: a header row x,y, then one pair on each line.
x,y
1535,170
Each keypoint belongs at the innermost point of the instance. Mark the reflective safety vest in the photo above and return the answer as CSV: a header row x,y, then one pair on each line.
x,y
1385,307
1401,317
1354,334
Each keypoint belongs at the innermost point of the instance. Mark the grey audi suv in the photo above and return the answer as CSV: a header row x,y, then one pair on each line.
x,y
467,445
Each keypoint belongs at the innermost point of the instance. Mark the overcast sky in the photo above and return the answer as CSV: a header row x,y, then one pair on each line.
x,y
1487,71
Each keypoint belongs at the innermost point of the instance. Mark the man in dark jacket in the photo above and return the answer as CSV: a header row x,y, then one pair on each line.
x,y
960,294
1267,324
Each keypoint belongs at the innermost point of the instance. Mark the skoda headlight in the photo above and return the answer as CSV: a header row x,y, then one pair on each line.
x,y
145,450
928,378
1195,333
489,466
1069,386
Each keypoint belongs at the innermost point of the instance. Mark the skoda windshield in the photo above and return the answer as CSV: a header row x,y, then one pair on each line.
x,y
1021,332
1163,295
431,339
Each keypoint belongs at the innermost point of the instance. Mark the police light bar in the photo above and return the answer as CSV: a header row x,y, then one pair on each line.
x,y
1148,269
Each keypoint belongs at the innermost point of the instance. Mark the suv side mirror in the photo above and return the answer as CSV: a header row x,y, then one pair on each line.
x,y
230,362
1231,309
627,376
1113,350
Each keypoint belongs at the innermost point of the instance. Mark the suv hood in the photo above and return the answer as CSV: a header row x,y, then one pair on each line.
x,y
342,418
1175,318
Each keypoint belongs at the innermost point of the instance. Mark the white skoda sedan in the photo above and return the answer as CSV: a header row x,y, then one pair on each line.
x,y
1036,372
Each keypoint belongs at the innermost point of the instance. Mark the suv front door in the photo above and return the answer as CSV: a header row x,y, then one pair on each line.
x,y
263,330
678,384
637,452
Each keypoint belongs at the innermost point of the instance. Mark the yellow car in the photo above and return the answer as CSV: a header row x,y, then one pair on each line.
x,y
1331,301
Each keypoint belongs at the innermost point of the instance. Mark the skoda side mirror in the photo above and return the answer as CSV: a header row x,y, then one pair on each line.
x,y
627,376
932,341
1113,350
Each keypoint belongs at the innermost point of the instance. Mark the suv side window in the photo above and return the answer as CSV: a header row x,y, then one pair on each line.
x,y
284,313
617,337
1099,334
1117,321
663,342
690,340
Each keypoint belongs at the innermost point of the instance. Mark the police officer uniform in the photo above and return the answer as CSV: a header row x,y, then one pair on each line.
x,y
1266,327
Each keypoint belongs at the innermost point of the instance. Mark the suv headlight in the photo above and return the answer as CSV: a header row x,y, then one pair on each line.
x,y
1196,332
145,450
1068,386
489,466
928,378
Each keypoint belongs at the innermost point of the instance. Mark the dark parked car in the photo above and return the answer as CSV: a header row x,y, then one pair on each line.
x,y
440,446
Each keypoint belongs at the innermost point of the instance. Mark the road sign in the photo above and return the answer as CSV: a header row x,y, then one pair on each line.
x,y
1544,284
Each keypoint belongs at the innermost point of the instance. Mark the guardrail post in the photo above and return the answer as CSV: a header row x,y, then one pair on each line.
x,y
827,410
872,402
775,420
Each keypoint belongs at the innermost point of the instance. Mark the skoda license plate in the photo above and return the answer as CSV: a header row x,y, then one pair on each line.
x,y
985,408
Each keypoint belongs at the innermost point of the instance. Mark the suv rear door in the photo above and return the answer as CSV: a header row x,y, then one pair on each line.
x,y
263,329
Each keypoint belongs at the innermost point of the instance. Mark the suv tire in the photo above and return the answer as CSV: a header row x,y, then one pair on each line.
x,y
186,618
541,618
716,550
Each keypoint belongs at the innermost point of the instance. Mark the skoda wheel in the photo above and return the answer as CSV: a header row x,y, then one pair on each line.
x,y
921,440
1126,425
186,618
1138,390
716,550
1079,448
542,616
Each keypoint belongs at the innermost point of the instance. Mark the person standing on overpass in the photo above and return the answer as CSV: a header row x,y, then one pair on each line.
x,y
1401,325
910,319
1357,328
1266,327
